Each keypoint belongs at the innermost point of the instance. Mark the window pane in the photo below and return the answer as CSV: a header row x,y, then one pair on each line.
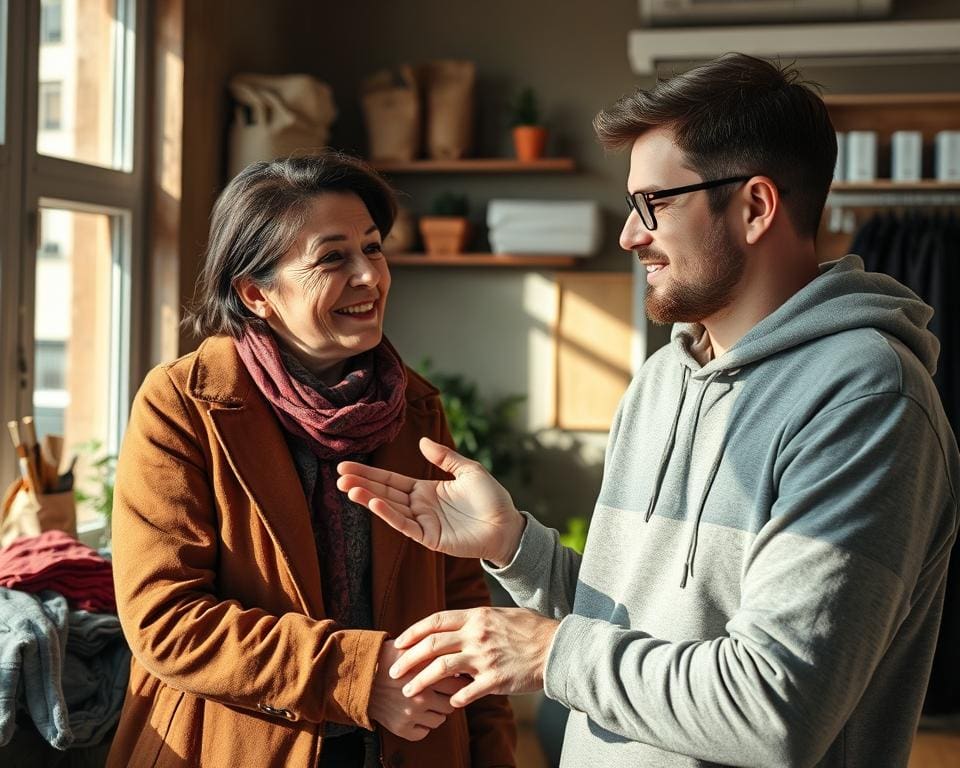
x,y
51,106
76,329
51,21
85,103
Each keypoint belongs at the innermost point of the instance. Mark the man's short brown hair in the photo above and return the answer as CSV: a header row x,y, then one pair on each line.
x,y
739,116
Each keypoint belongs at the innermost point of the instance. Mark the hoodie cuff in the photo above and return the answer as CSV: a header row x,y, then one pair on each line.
x,y
537,544
566,656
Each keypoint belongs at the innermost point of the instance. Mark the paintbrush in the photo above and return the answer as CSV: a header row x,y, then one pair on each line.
x,y
28,480
33,452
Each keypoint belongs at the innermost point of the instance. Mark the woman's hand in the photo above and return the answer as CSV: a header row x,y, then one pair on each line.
x,y
469,516
409,718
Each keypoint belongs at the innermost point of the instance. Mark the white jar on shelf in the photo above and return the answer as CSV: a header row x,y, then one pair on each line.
x,y
947,156
840,169
861,156
906,160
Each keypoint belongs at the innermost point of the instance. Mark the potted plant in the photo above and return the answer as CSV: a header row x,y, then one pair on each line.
x,y
95,490
446,230
529,136
483,429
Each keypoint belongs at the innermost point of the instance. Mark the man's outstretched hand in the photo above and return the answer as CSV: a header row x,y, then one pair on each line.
x,y
469,516
500,650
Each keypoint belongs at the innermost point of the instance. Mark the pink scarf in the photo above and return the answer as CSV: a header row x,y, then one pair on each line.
x,y
348,419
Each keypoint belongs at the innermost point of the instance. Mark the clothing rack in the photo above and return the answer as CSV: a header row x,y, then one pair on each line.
x,y
841,204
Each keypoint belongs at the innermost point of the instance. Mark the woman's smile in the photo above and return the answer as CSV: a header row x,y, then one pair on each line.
x,y
365,310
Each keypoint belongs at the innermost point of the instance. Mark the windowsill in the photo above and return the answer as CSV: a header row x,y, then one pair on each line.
x,y
92,533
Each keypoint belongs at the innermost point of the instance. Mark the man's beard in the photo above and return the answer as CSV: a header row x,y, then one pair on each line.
x,y
691,299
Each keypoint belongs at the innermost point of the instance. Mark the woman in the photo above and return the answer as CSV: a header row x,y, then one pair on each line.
x,y
257,599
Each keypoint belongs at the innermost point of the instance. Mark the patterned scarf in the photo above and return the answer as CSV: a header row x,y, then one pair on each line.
x,y
350,419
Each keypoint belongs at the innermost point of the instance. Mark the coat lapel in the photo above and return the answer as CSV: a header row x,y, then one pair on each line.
x,y
254,445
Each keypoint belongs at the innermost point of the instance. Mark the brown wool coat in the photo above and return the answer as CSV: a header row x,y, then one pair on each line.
x,y
219,593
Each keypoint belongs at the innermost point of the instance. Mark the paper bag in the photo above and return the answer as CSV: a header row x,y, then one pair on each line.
x,y
24,514
449,95
278,116
391,112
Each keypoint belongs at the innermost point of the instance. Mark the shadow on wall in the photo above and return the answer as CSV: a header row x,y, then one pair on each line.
x,y
560,476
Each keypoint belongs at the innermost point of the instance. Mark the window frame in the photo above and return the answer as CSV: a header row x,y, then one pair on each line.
x,y
29,181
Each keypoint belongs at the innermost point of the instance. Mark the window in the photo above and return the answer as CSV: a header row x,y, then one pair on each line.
x,y
51,365
93,65
78,333
51,112
50,250
51,21
71,189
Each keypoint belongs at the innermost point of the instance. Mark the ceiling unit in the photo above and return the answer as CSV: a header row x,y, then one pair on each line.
x,y
850,42
664,13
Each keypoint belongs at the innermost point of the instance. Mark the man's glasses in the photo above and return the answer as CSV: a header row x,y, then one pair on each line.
x,y
640,201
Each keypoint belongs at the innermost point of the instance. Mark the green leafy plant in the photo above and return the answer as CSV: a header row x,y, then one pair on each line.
x,y
483,430
575,536
99,481
449,204
525,110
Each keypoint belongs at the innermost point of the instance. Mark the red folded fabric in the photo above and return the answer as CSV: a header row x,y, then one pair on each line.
x,y
55,560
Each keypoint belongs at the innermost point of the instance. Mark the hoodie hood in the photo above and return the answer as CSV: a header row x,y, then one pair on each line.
x,y
842,298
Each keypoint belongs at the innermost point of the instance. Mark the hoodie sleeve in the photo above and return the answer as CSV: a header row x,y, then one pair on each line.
x,y
862,523
543,573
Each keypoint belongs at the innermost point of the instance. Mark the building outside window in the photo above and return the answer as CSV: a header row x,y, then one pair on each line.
x,y
51,106
51,21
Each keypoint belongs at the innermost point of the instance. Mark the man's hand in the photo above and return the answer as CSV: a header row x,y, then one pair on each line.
x,y
469,516
410,718
504,650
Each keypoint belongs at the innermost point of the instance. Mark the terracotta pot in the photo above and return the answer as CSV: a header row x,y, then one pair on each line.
x,y
529,141
444,235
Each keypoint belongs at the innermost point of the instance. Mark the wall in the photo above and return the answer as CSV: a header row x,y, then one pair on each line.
x,y
487,324
494,325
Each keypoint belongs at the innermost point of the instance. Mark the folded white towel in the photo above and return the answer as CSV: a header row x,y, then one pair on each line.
x,y
540,213
553,243
563,227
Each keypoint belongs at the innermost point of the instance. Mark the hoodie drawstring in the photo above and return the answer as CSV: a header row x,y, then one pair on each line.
x,y
694,535
665,460
668,448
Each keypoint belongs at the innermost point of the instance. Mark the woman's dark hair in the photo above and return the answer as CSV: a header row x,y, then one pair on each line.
x,y
257,219
739,116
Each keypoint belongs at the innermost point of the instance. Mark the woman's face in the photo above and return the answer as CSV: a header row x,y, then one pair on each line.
x,y
331,290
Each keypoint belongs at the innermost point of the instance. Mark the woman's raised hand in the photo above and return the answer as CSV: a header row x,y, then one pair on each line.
x,y
469,516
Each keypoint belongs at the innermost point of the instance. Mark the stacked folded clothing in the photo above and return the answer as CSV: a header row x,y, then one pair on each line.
x,y
67,669
568,227
54,560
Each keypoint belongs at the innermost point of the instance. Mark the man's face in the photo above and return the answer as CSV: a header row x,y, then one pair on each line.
x,y
693,264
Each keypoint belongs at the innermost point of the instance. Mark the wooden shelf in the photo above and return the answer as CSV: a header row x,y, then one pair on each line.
x,y
885,185
889,112
478,165
886,99
482,260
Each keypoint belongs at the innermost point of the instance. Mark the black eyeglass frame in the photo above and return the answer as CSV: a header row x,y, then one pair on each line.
x,y
640,201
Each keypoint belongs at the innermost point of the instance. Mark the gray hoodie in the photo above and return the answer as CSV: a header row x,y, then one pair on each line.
x,y
764,574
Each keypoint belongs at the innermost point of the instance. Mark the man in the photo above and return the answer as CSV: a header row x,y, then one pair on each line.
x,y
764,575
